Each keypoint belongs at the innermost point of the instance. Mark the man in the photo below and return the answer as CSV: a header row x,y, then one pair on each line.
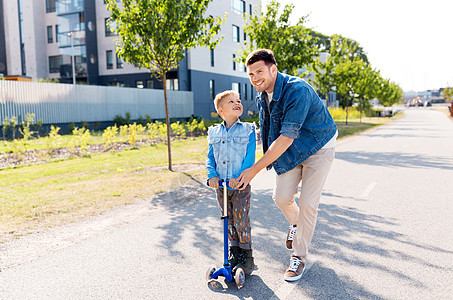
x,y
298,136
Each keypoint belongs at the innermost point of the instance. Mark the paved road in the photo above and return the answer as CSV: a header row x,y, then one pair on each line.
x,y
384,232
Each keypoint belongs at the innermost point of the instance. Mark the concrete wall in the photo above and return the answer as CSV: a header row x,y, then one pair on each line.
x,y
65,103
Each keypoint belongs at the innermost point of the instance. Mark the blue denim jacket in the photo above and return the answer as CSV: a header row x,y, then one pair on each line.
x,y
231,150
296,112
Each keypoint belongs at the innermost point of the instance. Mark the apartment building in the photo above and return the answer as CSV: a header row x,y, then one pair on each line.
x,y
40,38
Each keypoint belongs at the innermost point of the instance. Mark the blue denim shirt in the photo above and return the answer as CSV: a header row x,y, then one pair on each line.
x,y
298,113
231,150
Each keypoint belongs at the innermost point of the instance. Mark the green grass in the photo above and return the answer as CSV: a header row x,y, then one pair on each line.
x,y
43,195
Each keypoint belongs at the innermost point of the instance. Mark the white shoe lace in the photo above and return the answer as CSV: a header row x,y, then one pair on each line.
x,y
294,263
292,232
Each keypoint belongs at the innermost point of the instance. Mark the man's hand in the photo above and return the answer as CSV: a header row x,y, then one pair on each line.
x,y
245,178
214,182
277,148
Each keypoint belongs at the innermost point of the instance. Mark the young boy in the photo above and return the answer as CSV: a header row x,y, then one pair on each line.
x,y
232,146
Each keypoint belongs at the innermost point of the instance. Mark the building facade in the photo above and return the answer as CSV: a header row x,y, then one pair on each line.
x,y
41,38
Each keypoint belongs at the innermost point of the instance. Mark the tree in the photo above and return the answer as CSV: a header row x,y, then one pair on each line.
x,y
366,86
346,76
447,93
293,46
155,34
339,49
388,93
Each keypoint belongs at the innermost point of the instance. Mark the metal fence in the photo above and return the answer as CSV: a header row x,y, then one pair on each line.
x,y
55,103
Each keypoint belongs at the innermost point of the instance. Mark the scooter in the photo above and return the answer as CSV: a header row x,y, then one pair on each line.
x,y
226,271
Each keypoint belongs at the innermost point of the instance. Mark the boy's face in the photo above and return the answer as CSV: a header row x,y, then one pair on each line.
x,y
230,107
262,76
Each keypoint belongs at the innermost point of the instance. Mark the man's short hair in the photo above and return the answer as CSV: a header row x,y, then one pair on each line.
x,y
265,55
221,96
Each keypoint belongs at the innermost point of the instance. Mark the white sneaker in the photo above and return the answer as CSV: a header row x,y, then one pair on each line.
x,y
295,270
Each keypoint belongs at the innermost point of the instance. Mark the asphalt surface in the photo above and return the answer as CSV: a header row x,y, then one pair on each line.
x,y
384,232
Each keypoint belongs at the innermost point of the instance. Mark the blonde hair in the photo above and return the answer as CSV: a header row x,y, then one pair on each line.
x,y
221,96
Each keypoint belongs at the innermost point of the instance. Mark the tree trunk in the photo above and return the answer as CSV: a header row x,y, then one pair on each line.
x,y
347,109
164,82
361,107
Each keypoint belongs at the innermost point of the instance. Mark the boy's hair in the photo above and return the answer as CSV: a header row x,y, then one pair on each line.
x,y
221,96
265,55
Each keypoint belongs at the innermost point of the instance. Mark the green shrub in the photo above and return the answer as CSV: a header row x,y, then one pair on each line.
x,y
12,126
132,135
52,139
5,126
109,135
120,121
178,129
71,127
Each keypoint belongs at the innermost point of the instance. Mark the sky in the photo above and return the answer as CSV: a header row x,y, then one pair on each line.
x,y
409,41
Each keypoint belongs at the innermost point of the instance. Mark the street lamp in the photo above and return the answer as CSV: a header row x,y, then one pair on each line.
x,y
72,57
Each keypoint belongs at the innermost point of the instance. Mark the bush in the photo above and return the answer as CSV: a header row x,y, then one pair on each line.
x,y
52,139
109,135
71,127
120,121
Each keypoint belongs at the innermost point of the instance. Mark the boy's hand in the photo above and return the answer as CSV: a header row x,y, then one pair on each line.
x,y
214,182
233,183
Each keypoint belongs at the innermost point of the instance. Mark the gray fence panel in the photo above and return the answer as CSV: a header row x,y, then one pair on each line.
x,y
64,103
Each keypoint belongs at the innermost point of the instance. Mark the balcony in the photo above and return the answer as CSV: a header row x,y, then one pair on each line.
x,y
64,38
65,7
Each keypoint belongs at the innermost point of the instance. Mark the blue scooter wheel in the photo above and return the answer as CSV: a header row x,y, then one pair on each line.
x,y
209,272
239,277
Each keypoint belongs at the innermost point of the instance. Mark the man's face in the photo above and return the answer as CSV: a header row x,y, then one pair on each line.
x,y
262,76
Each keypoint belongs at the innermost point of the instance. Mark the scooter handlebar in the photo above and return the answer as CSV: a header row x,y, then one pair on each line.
x,y
220,182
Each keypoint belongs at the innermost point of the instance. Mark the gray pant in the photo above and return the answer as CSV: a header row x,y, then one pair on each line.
x,y
238,206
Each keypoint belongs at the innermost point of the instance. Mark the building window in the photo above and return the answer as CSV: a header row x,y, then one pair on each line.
x,y
245,91
234,62
238,6
56,33
245,36
55,63
236,87
172,84
236,34
119,62
109,59
242,67
110,27
251,92
50,6
250,10
212,89
139,84
211,51
149,84
49,35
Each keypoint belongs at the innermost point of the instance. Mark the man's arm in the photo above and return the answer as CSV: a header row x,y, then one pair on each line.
x,y
276,149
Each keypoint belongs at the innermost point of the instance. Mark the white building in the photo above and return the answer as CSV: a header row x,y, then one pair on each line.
x,y
39,37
